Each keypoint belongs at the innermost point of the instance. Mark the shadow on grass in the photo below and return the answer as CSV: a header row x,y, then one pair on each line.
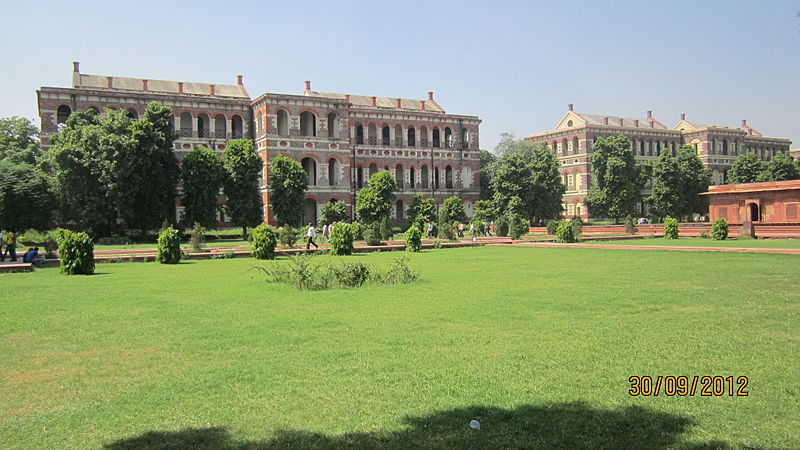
x,y
563,425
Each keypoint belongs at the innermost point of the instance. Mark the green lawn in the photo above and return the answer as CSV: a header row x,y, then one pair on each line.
x,y
700,242
152,245
535,343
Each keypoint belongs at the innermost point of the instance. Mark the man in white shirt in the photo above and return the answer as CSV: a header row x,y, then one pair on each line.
x,y
311,234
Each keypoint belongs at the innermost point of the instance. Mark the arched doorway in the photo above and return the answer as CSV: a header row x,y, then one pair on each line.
x,y
753,211
398,210
309,211
310,166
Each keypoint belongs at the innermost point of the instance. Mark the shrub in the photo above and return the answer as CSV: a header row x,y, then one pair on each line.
x,y
565,232
169,246
704,234
501,226
298,272
476,228
630,225
517,226
263,241
76,252
287,236
551,226
197,238
446,231
413,239
670,228
372,234
358,231
719,229
386,230
352,274
577,225
342,239
398,272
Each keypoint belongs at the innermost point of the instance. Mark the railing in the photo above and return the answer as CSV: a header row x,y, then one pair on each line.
x,y
436,143
386,141
185,133
398,142
237,134
203,133
412,143
219,135
373,140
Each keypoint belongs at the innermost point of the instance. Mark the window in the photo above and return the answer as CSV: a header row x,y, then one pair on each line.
x,y
236,127
132,113
63,114
398,176
202,126
569,123
310,166
448,138
283,123
436,178
220,126
412,137
412,177
464,138
385,139
308,124
425,176
186,125
332,131
448,177
373,134
359,134
436,138
333,172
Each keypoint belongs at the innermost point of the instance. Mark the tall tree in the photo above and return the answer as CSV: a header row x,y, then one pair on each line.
x,y
748,168
202,174
287,184
19,140
421,209
668,198
453,210
376,201
618,182
487,163
335,211
696,178
782,168
242,195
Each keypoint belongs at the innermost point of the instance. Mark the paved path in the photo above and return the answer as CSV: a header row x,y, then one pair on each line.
x,y
785,251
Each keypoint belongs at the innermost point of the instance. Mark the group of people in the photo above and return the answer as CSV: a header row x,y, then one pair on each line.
x,y
311,233
8,245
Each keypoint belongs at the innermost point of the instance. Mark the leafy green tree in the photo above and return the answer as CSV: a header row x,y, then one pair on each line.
x,y
483,211
782,168
748,168
287,184
377,199
242,194
421,209
669,197
485,176
618,182
454,210
19,140
335,211
202,174
695,180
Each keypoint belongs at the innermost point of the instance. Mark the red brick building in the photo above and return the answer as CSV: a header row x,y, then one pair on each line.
x,y
763,203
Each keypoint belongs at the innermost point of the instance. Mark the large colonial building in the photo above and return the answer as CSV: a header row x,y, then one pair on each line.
x,y
717,146
339,139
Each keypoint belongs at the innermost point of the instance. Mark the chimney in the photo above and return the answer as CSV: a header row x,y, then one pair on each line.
x,y
239,79
683,116
144,85
308,85
398,103
569,107
180,87
76,66
652,123
374,101
621,121
422,105
110,82
744,123
430,95
605,120
636,122
649,115
212,88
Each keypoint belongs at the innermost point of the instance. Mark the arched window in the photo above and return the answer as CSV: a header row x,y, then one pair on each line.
x,y
283,123
360,177
575,146
398,176
63,114
436,178
220,127
359,134
202,125
564,148
398,136
577,176
373,134
308,124
412,177
725,147
236,127
309,211
385,135
448,177
423,137
94,109
412,137
310,166
373,169
448,138
186,125
555,147
398,210
333,172
425,176
436,138
332,131
464,138
132,113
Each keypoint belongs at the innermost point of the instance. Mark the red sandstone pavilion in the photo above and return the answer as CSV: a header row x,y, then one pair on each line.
x,y
774,202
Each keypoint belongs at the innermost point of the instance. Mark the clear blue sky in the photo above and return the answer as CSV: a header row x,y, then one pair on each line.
x,y
514,64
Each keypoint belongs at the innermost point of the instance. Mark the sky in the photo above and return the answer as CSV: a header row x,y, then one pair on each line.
x,y
516,65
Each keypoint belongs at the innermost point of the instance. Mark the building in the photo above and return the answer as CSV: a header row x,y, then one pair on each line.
x,y
717,146
339,139
765,203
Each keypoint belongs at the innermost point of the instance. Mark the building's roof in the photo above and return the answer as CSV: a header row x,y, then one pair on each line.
x,y
101,82
597,119
753,187
686,126
365,101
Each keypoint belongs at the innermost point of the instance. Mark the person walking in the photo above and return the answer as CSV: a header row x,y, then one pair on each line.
x,y
326,233
10,240
311,234
430,229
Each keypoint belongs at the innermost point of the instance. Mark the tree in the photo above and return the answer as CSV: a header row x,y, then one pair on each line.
x,y
747,168
782,168
287,184
376,201
453,210
335,211
618,182
202,174
421,209
242,195
696,178
19,140
668,198
483,211
487,163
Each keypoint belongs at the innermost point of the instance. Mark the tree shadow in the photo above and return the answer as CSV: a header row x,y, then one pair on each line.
x,y
563,425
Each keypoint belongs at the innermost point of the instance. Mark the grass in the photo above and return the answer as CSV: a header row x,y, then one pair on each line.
x,y
535,343
701,242
152,245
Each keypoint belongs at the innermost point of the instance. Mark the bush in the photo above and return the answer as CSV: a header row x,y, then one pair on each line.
x,y
263,241
501,226
719,229
551,226
446,231
476,228
76,253
577,225
305,273
517,226
386,230
630,225
413,239
169,246
288,236
351,274
372,234
398,272
670,228
704,234
565,232
342,239
298,272
197,238
358,231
